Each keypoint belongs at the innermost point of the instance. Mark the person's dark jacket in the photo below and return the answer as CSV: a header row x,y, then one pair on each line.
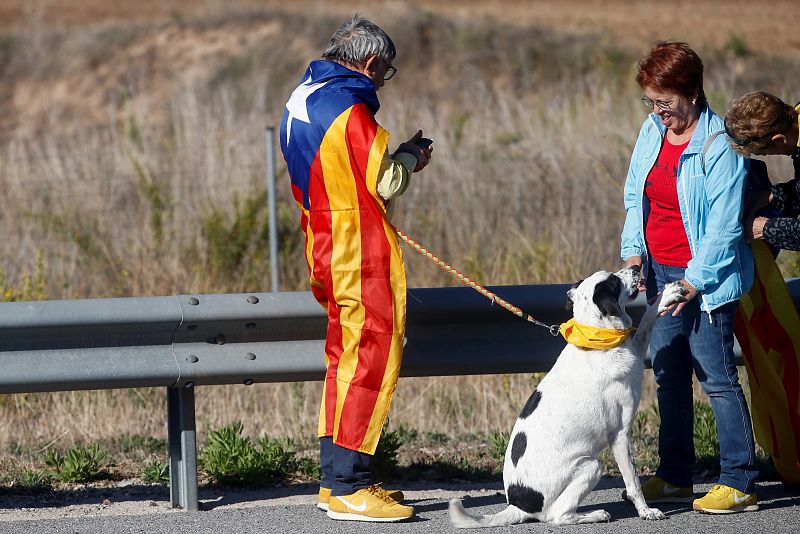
x,y
784,231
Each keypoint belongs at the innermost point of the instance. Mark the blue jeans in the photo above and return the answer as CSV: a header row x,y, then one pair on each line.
x,y
692,341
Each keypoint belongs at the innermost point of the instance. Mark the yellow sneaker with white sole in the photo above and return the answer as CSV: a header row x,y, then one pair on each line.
x,y
325,497
726,500
372,503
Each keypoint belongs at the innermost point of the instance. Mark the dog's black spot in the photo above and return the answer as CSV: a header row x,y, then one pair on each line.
x,y
606,296
533,402
518,447
526,499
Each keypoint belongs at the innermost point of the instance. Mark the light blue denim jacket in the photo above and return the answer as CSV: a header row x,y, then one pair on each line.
x,y
711,205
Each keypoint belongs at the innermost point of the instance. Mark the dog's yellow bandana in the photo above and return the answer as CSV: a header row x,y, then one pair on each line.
x,y
591,337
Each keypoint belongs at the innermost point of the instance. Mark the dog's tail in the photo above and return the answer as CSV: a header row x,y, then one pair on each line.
x,y
461,519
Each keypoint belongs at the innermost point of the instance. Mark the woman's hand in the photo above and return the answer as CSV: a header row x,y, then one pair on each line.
x,y
691,293
755,228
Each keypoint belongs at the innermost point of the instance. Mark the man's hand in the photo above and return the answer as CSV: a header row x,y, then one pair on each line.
x,y
423,155
687,291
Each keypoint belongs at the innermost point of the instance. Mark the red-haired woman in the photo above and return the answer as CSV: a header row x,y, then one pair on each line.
x,y
684,203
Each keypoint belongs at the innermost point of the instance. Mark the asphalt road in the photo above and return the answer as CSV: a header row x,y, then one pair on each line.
x,y
291,510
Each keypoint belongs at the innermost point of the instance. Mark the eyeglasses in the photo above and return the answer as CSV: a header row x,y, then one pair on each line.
x,y
745,142
390,70
663,105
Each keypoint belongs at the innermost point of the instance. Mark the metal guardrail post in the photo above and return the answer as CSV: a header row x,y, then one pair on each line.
x,y
273,213
182,448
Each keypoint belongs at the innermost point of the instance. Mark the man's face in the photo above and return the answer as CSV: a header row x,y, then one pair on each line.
x,y
378,70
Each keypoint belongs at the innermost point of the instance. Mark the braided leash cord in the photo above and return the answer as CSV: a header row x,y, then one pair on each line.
x,y
477,287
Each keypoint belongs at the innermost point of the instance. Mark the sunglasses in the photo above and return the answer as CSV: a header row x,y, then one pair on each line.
x,y
390,70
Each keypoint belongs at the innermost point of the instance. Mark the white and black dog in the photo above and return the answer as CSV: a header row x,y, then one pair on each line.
x,y
585,403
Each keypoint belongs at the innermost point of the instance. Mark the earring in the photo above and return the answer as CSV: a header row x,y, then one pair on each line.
x,y
694,101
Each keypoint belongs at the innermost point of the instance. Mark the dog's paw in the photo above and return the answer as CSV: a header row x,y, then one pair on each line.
x,y
601,516
651,514
674,293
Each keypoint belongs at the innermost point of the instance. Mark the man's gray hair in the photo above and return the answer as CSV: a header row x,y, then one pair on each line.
x,y
358,39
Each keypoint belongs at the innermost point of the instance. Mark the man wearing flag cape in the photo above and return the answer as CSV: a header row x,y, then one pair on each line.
x,y
343,178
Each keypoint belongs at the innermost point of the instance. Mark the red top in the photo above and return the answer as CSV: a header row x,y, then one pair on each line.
x,y
665,234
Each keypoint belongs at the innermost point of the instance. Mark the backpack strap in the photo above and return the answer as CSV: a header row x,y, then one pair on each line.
x,y
709,141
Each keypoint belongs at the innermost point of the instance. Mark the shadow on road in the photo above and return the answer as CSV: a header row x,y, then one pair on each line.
x,y
607,495
11,498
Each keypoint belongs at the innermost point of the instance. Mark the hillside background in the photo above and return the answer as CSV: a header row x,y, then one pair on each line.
x,y
132,162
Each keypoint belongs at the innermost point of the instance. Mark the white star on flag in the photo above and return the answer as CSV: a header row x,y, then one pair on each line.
x,y
296,106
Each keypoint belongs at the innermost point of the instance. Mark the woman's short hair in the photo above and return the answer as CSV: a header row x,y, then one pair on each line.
x,y
754,118
356,40
674,67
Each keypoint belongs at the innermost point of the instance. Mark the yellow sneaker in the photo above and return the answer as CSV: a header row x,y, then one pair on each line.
x,y
372,503
726,500
658,490
325,497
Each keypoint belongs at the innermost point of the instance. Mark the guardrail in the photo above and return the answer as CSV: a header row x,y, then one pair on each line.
x,y
186,341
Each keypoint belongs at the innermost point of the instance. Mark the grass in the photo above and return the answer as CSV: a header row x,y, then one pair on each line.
x,y
229,457
162,193
156,472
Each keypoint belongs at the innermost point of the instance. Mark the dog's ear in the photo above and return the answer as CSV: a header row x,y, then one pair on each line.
x,y
606,296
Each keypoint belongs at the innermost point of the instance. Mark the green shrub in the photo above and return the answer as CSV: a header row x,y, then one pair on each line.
x,y
384,463
79,464
645,424
499,443
309,467
236,242
156,472
706,443
231,458
406,433
31,479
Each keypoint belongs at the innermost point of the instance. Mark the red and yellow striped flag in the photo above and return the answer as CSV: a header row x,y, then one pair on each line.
x,y
768,329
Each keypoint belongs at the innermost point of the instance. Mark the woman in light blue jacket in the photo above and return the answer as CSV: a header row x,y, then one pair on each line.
x,y
684,199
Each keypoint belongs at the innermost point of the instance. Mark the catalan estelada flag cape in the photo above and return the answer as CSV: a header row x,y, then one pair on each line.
x,y
768,329
333,149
